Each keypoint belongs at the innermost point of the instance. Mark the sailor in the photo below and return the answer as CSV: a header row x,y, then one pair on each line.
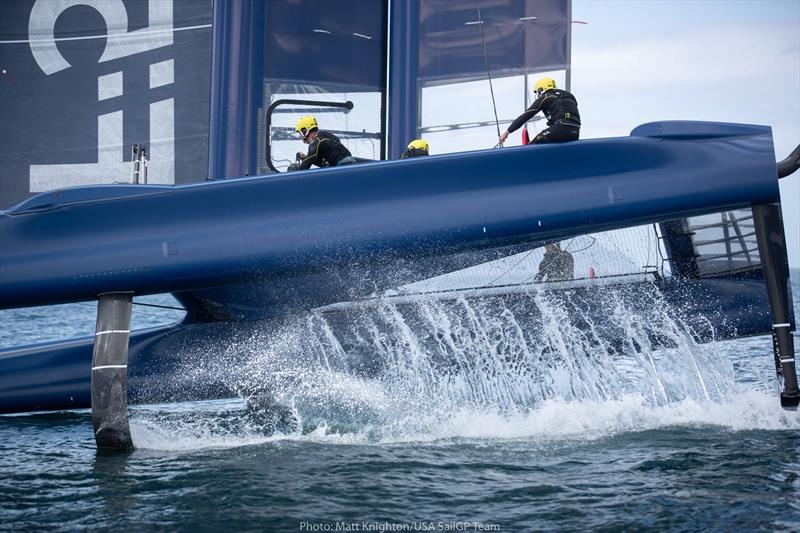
x,y
556,265
561,109
324,149
416,148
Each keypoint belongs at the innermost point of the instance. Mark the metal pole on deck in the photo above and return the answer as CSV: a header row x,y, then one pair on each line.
x,y
110,371
772,249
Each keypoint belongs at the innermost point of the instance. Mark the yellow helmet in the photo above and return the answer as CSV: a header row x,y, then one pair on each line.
x,y
305,125
419,144
544,84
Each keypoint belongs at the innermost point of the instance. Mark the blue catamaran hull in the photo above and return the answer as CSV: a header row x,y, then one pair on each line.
x,y
305,239
254,248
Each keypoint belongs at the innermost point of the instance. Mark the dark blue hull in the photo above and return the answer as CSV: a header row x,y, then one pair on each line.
x,y
311,238
252,249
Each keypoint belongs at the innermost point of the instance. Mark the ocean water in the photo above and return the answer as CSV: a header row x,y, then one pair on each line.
x,y
559,432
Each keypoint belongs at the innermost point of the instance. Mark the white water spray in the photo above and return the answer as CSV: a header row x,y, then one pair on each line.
x,y
542,364
421,362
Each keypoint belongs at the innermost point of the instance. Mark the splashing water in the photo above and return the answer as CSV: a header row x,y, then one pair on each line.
x,y
544,363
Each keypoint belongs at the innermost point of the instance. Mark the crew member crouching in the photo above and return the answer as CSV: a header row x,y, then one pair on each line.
x,y
561,109
324,148
416,148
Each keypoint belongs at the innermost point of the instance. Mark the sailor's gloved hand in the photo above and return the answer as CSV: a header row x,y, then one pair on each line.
x,y
502,138
299,156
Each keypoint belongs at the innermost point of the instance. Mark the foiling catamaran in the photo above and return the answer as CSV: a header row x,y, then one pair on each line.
x,y
195,87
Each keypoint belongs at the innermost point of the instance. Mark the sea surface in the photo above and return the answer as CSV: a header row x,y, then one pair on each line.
x,y
688,438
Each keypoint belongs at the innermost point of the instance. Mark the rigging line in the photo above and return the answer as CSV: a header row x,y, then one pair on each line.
x,y
512,267
138,34
566,248
140,312
585,247
488,70
159,306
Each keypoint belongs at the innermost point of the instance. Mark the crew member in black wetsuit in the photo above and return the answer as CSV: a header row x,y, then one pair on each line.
x,y
561,109
324,149
556,265
416,148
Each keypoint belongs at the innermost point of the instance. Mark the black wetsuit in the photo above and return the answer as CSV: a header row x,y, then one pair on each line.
x,y
326,150
561,109
413,152
556,265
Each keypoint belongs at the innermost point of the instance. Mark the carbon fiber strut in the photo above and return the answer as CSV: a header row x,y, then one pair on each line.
x,y
110,371
772,249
